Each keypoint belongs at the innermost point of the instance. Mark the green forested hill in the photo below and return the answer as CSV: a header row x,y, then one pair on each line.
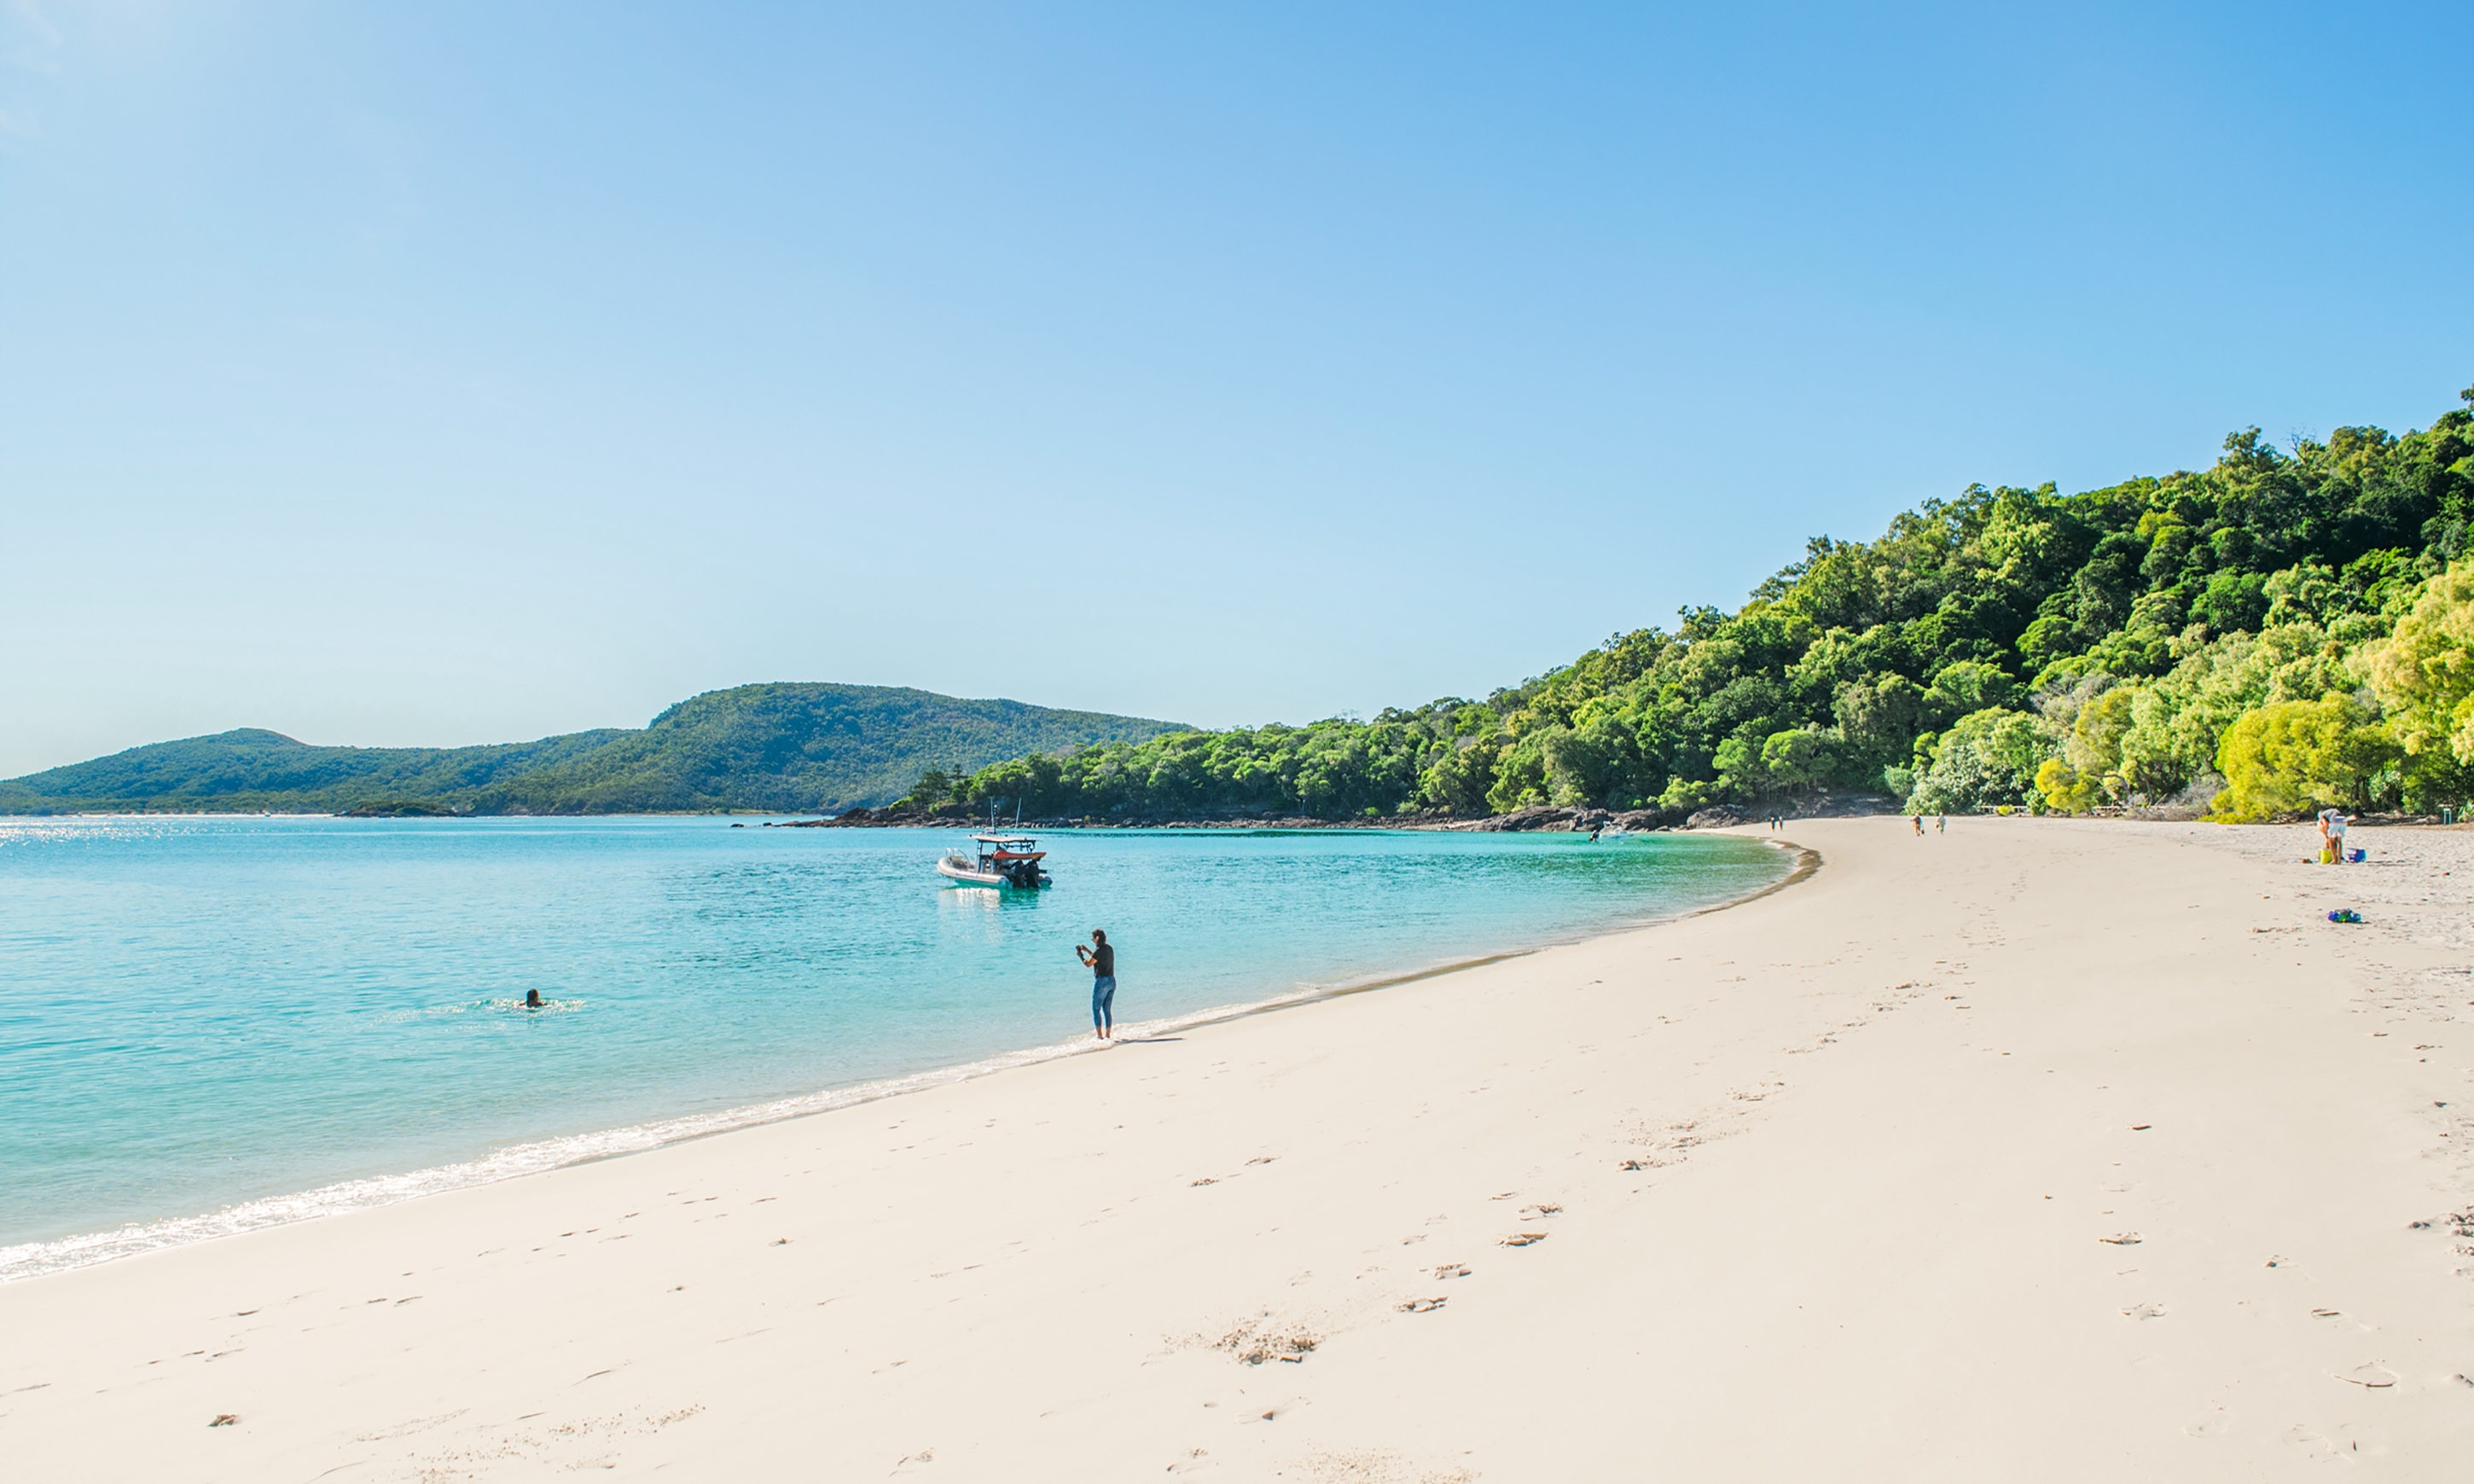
x,y
779,747
2281,630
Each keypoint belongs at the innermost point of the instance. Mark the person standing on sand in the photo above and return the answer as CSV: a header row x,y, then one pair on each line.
x,y
1920,824
1941,823
1101,960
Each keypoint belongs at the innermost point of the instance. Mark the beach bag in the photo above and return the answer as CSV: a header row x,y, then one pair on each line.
x,y
2327,855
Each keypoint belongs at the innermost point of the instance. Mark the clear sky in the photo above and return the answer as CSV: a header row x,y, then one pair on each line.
x,y
448,372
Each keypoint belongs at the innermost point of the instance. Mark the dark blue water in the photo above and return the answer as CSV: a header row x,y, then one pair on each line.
x,y
201,1013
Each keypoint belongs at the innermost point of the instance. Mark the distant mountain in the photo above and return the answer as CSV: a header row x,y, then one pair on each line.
x,y
787,748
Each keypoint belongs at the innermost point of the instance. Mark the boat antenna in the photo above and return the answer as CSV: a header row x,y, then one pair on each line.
x,y
1017,811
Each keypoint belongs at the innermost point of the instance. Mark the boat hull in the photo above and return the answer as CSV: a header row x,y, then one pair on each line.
x,y
969,876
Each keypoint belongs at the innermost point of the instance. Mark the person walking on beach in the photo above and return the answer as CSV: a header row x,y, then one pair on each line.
x,y
1941,823
1102,961
1920,824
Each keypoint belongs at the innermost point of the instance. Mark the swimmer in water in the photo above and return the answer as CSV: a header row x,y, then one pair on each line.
x,y
533,1000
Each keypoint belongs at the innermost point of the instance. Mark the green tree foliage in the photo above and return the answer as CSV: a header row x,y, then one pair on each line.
x,y
2010,646
2289,756
1987,760
2424,672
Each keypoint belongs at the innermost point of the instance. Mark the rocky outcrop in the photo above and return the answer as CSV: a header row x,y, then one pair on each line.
x,y
1581,820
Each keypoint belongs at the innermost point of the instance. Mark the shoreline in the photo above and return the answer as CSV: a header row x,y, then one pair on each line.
x,y
1547,819
1904,1175
41,1258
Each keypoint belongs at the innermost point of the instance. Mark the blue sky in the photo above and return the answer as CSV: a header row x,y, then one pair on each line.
x,y
451,374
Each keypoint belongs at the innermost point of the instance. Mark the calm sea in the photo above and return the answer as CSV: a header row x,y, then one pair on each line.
x,y
208,1024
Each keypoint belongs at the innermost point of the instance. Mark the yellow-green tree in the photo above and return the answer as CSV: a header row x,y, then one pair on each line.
x,y
2290,757
2089,771
2424,672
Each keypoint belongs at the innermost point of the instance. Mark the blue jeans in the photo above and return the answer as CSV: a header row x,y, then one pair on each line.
x,y
1103,1003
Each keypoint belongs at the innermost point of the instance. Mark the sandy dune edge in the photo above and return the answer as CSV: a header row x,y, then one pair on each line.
x,y
2037,1151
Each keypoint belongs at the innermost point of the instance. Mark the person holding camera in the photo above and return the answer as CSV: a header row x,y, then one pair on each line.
x,y
1101,960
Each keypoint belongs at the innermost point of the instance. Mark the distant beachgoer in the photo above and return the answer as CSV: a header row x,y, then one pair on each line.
x,y
1941,823
2336,823
1102,961
1593,837
1920,826
2327,838
532,999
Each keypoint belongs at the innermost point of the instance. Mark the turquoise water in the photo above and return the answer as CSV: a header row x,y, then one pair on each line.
x,y
212,1023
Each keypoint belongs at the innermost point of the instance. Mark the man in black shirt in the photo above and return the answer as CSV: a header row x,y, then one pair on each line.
x,y
1102,961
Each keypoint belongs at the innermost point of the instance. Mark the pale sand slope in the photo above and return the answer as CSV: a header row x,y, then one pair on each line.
x,y
1886,1119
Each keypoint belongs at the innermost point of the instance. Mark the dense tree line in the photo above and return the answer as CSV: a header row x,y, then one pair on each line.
x,y
2281,629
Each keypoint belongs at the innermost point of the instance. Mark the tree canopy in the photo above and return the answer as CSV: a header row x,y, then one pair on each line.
x,y
2009,647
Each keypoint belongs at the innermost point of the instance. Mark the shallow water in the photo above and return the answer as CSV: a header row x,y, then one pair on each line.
x,y
215,1015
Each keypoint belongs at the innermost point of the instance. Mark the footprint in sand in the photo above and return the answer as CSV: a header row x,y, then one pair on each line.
x,y
1452,1270
1523,1238
2144,1312
2214,1422
1421,1305
2372,1374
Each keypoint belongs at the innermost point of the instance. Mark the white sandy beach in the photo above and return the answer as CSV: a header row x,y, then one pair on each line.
x,y
2038,1150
